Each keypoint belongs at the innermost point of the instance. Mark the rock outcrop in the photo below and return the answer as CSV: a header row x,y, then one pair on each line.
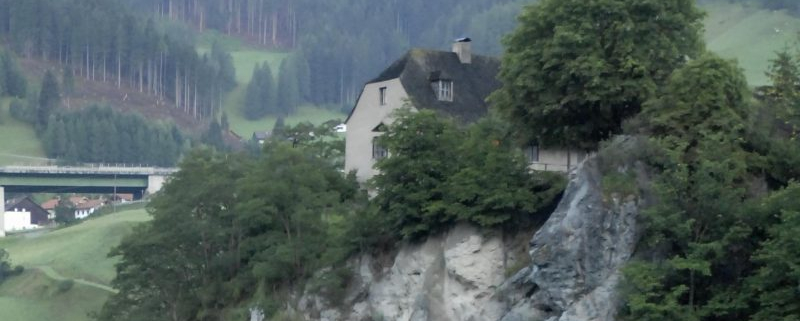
x,y
575,257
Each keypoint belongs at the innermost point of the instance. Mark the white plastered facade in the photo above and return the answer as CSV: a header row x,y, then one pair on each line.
x,y
367,115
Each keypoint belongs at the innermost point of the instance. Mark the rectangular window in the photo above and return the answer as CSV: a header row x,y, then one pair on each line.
x,y
532,152
378,151
445,90
383,96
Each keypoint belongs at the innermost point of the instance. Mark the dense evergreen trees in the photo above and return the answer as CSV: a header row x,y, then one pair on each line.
x,y
717,245
260,97
99,40
12,82
102,135
266,97
368,35
49,99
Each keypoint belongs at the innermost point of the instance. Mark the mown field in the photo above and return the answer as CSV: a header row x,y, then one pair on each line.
x,y
749,35
18,141
77,253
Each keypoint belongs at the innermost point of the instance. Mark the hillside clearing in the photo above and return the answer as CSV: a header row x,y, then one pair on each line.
x,y
18,141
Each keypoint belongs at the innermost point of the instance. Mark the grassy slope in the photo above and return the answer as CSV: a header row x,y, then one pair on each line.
x,y
750,35
17,138
245,60
78,252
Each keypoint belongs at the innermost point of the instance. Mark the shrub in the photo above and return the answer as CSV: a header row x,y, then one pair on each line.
x,y
65,285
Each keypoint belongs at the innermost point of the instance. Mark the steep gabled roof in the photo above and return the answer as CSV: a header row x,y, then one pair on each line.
x,y
472,83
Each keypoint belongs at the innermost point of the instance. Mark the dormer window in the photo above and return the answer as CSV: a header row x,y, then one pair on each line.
x,y
382,93
444,90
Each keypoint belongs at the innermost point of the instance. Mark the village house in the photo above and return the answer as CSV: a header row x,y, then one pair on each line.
x,y
456,83
261,136
24,214
85,206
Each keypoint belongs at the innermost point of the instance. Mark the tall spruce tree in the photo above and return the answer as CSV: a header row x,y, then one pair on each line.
x,y
49,99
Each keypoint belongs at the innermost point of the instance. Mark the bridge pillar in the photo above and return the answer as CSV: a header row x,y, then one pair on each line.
x,y
155,183
2,211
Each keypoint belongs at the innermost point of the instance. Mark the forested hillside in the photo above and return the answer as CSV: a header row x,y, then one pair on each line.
x,y
347,42
102,41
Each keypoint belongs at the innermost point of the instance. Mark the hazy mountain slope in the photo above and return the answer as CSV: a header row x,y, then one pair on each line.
x,y
749,34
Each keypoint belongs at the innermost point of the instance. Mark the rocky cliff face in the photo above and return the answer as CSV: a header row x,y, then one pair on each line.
x,y
461,276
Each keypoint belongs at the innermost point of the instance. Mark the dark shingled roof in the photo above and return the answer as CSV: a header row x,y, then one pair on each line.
x,y
472,83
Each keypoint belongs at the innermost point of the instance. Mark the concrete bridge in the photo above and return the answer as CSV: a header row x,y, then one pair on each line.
x,y
138,181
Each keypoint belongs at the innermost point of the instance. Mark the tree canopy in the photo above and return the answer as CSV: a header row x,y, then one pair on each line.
x,y
439,173
574,70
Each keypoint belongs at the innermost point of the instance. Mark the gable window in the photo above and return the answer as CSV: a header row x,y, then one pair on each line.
x,y
444,90
378,152
532,153
382,98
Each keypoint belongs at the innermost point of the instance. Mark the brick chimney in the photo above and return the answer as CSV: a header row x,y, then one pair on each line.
x,y
463,48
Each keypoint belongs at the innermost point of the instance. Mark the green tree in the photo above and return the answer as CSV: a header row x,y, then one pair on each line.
x,y
493,186
260,95
49,99
700,222
288,89
411,182
574,70
65,211
774,283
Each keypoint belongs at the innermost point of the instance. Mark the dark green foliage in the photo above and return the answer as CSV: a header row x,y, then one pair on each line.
x,y
12,82
213,136
701,232
411,182
22,110
493,186
49,99
65,285
288,88
228,230
65,211
574,70
102,135
226,126
6,270
260,97
434,177
774,284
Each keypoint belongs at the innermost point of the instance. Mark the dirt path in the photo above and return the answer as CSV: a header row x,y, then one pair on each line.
x,y
51,273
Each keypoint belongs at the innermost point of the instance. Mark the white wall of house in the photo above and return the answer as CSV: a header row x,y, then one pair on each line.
x,y
368,114
18,220
556,159
83,213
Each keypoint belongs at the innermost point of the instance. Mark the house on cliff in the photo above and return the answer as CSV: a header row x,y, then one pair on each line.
x,y
455,83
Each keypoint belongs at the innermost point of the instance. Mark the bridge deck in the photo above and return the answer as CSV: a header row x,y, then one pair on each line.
x,y
99,170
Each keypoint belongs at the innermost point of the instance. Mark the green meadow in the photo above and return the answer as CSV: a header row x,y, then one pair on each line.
x,y
18,141
75,254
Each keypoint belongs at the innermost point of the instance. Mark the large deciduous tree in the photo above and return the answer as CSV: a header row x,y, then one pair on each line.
x,y
574,69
